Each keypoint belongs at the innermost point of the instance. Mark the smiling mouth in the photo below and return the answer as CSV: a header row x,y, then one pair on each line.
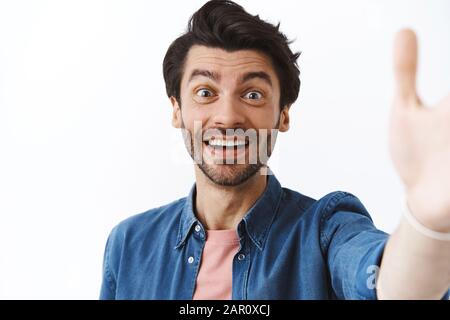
x,y
227,144
230,150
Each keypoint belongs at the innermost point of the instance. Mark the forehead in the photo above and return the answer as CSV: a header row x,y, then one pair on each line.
x,y
227,64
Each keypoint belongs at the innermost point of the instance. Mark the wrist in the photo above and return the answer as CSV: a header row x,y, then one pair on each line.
x,y
429,210
421,228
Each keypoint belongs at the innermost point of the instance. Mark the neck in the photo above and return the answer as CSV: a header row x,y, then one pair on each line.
x,y
223,208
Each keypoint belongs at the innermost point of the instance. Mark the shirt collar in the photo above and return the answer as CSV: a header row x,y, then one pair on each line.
x,y
256,222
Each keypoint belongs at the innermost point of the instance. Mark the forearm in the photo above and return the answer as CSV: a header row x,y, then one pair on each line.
x,y
414,266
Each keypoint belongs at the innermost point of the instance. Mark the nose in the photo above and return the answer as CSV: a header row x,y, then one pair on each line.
x,y
228,113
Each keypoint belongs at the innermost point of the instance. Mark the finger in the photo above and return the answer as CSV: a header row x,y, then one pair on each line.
x,y
405,64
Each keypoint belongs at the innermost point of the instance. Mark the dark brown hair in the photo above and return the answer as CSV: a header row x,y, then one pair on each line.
x,y
226,25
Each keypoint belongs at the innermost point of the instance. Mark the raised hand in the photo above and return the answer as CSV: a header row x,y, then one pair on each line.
x,y
420,141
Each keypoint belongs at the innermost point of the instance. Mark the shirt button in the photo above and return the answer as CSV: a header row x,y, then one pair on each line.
x,y
190,260
197,228
241,257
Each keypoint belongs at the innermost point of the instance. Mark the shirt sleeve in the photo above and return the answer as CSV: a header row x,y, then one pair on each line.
x,y
108,286
353,247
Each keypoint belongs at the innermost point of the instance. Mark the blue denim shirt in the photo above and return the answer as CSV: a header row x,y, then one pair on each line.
x,y
291,247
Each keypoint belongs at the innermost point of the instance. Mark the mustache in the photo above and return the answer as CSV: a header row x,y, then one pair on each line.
x,y
230,134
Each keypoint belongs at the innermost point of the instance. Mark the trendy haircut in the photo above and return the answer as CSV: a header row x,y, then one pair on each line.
x,y
226,25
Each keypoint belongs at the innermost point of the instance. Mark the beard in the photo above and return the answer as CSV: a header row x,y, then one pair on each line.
x,y
229,175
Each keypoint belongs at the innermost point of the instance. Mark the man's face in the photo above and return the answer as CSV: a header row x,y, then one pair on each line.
x,y
226,91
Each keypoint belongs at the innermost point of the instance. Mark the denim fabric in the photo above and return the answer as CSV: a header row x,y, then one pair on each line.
x,y
291,247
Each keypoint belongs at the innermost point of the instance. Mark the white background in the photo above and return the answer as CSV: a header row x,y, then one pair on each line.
x,y
85,135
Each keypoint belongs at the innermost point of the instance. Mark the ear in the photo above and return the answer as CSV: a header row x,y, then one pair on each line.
x,y
176,115
284,119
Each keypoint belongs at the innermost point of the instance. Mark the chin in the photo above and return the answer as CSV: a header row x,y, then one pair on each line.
x,y
230,175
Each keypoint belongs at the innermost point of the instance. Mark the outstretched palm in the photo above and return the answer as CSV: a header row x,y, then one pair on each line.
x,y
420,141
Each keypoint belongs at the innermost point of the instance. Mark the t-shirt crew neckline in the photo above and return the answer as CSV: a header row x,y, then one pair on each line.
x,y
222,237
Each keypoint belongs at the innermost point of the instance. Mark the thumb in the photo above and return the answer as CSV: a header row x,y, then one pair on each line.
x,y
405,64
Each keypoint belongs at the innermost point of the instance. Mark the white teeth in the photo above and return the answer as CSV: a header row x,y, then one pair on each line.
x,y
225,143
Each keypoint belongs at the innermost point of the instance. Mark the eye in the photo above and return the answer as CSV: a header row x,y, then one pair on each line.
x,y
253,95
204,93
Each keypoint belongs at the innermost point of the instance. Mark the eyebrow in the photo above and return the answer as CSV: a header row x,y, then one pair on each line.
x,y
257,75
245,78
205,73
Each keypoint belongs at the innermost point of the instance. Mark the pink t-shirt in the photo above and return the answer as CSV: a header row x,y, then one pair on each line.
x,y
214,280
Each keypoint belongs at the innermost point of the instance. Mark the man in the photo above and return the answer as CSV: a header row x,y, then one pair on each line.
x,y
232,79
